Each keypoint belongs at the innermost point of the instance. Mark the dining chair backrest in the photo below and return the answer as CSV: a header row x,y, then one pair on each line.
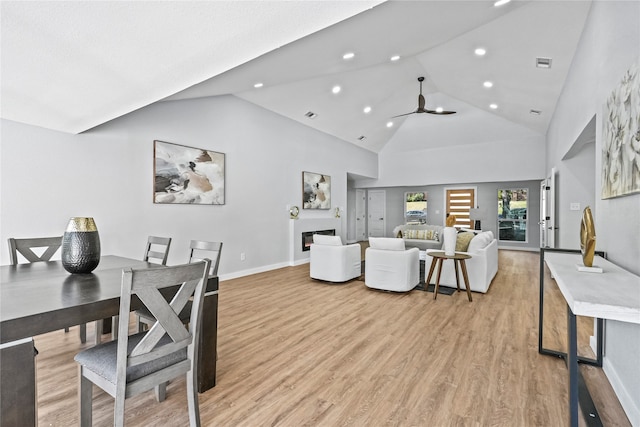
x,y
25,248
200,249
157,248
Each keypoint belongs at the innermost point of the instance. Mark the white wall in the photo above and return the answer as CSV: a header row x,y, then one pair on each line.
x,y
107,173
609,45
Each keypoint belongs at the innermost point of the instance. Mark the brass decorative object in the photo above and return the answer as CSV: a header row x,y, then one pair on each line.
x,y
450,221
587,237
80,246
293,212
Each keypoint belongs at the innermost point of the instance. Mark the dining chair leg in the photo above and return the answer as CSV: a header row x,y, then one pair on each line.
x,y
83,333
85,399
114,327
98,324
161,391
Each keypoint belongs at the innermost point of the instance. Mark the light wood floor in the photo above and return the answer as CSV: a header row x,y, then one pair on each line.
x,y
298,352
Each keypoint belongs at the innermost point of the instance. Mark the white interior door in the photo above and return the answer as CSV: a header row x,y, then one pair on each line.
x,y
547,211
376,208
361,209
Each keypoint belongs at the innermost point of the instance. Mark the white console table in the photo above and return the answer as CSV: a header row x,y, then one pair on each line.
x,y
613,294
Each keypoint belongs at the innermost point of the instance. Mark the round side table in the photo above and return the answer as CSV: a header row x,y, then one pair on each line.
x,y
458,258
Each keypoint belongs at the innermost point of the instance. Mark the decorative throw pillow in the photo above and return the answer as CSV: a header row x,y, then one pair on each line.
x,y
388,243
321,239
410,234
422,235
462,242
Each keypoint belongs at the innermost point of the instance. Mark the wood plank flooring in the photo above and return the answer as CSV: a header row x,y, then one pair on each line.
x,y
297,352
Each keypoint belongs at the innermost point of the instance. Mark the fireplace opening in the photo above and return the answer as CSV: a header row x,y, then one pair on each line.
x,y
307,237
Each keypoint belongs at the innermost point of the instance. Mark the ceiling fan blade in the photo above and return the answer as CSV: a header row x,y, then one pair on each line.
x,y
441,113
401,115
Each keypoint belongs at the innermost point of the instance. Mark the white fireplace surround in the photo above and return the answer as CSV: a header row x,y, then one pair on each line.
x,y
299,226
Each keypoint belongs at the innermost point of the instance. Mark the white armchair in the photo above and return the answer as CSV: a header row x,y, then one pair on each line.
x,y
391,267
332,261
481,268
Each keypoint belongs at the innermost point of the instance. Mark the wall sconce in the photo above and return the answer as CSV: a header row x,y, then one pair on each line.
x,y
293,212
337,212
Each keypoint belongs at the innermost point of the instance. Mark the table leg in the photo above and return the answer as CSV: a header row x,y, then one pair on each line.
x,y
18,401
466,278
435,290
207,348
455,267
433,266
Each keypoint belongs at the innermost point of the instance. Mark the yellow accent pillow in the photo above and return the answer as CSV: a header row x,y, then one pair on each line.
x,y
462,242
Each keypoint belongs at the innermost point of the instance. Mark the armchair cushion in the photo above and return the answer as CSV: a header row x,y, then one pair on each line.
x,y
386,243
322,239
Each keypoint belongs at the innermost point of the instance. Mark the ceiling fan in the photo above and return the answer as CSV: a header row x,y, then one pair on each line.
x,y
421,104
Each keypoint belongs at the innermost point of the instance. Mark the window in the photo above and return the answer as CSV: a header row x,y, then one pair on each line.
x,y
512,214
459,201
415,208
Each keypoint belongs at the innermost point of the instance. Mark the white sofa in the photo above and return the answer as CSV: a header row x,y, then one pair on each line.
x,y
421,236
332,261
481,268
391,267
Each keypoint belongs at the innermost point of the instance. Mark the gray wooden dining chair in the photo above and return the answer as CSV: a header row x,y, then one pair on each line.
x,y
198,250
134,364
157,252
47,248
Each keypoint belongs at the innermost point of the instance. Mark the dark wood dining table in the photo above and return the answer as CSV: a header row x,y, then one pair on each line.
x,y
42,297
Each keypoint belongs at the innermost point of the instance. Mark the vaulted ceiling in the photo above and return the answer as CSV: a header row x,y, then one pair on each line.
x,y
71,66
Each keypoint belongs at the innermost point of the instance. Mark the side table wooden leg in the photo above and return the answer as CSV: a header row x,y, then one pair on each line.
x,y
428,278
466,278
435,290
455,267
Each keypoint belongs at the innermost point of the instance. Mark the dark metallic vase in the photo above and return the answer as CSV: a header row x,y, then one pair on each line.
x,y
81,246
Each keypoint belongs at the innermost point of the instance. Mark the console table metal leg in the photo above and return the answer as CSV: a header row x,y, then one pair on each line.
x,y
572,364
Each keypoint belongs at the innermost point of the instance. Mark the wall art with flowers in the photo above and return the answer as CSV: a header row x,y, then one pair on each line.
x,y
621,138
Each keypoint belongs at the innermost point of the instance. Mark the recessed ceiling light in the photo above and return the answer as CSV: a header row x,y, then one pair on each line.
x,y
543,62
487,84
535,112
493,106
439,110
348,55
480,51
367,109
389,124
336,89
395,58
258,85
501,2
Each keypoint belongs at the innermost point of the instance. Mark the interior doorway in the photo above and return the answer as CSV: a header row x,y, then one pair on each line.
x,y
376,207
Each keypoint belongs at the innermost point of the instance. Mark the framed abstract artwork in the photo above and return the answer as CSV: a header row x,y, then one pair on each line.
x,y
187,175
316,191
621,138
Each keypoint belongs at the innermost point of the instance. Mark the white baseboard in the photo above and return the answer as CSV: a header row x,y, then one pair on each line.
x,y
251,271
626,400
627,403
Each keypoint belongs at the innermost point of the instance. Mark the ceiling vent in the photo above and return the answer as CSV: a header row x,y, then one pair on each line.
x,y
543,62
361,137
311,114
535,112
